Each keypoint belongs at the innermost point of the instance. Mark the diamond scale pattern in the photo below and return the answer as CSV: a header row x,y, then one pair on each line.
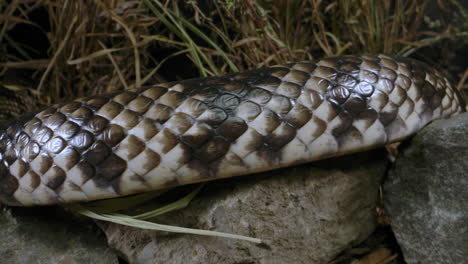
x,y
202,129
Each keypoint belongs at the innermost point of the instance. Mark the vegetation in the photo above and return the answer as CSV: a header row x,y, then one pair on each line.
x,y
79,48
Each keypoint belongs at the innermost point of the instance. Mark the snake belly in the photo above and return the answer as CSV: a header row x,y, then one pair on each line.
x,y
197,130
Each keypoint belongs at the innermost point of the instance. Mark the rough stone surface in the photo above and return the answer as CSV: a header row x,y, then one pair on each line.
x,y
308,214
49,235
426,194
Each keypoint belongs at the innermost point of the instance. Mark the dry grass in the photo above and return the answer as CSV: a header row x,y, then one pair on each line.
x,y
105,45
94,46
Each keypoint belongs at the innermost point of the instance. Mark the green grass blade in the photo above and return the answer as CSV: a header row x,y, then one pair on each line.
x,y
202,35
117,204
179,204
174,27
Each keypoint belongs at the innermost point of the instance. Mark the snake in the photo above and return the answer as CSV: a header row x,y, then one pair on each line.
x,y
171,134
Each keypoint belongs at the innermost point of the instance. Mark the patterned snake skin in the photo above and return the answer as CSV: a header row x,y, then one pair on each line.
x,y
198,130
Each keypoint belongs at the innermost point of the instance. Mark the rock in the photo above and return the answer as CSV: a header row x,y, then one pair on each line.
x,y
426,194
49,235
307,214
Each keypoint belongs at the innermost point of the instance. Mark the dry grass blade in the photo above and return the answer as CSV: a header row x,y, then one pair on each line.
x,y
99,209
8,19
128,221
32,64
155,69
117,69
57,53
133,40
94,55
378,256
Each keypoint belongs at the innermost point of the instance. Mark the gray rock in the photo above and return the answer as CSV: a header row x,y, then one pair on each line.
x,y
49,235
426,194
308,214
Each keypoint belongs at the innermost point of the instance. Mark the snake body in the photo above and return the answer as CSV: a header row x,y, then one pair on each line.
x,y
203,129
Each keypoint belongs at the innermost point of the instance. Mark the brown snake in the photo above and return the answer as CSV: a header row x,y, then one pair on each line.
x,y
203,129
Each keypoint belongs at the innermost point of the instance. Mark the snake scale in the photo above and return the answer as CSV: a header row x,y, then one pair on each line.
x,y
196,130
